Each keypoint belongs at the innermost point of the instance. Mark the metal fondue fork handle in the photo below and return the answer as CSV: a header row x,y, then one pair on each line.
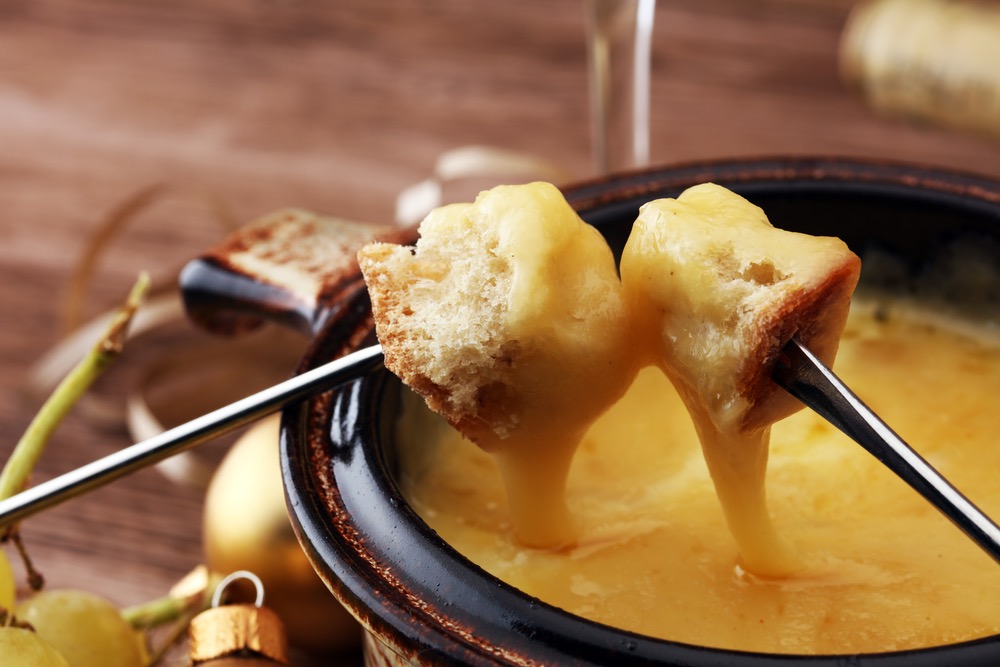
x,y
801,374
187,435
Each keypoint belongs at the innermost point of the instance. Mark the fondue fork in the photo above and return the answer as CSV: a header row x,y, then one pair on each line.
x,y
188,435
798,371
801,374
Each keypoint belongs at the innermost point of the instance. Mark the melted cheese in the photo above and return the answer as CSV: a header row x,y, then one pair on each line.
x,y
510,319
714,291
879,570
565,312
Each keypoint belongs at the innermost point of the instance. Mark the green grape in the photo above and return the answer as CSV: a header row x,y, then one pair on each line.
x,y
85,628
7,584
24,648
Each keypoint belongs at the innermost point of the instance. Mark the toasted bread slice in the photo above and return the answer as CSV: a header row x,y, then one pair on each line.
x,y
719,291
507,314
508,317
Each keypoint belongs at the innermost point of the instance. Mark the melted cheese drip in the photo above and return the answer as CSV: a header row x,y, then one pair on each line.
x,y
566,313
706,275
560,311
737,462
880,569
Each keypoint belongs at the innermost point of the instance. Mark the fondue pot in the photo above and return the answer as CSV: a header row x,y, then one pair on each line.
x,y
420,601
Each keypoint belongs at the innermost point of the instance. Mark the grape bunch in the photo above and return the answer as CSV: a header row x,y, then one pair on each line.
x,y
64,628
21,647
84,628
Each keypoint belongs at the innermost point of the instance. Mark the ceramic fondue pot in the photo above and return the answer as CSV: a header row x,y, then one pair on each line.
x,y
422,602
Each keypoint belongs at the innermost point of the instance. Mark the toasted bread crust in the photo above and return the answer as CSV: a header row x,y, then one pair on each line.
x,y
492,408
502,313
474,384
817,317
718,292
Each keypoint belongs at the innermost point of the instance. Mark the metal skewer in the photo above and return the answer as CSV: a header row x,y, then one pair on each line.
x,y
799,372
805,377
188,435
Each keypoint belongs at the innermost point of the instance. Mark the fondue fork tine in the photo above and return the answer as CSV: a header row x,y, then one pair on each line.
x,y
799,372
187,435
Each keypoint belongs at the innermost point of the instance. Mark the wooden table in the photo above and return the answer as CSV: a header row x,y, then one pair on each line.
x,y
334,107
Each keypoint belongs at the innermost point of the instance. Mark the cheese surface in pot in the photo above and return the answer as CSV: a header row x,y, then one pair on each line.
x,y
880,570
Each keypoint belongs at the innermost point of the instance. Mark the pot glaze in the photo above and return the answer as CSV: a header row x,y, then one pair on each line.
x,y
424,603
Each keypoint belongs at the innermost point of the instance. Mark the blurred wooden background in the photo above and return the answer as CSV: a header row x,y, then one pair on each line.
x,y
336,107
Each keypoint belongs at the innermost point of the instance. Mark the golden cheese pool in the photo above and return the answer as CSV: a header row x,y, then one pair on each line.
x,y
880,569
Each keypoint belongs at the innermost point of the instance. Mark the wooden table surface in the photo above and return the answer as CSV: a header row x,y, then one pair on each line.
x,y
335,107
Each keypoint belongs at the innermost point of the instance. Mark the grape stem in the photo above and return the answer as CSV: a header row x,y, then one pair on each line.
x,y
35,579
172,606
18,469
188,598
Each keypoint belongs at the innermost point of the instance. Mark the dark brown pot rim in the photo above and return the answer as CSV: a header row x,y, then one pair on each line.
x,y
418,594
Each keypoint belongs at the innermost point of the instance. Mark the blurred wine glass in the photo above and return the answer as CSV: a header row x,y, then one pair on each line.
x,y
619,40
